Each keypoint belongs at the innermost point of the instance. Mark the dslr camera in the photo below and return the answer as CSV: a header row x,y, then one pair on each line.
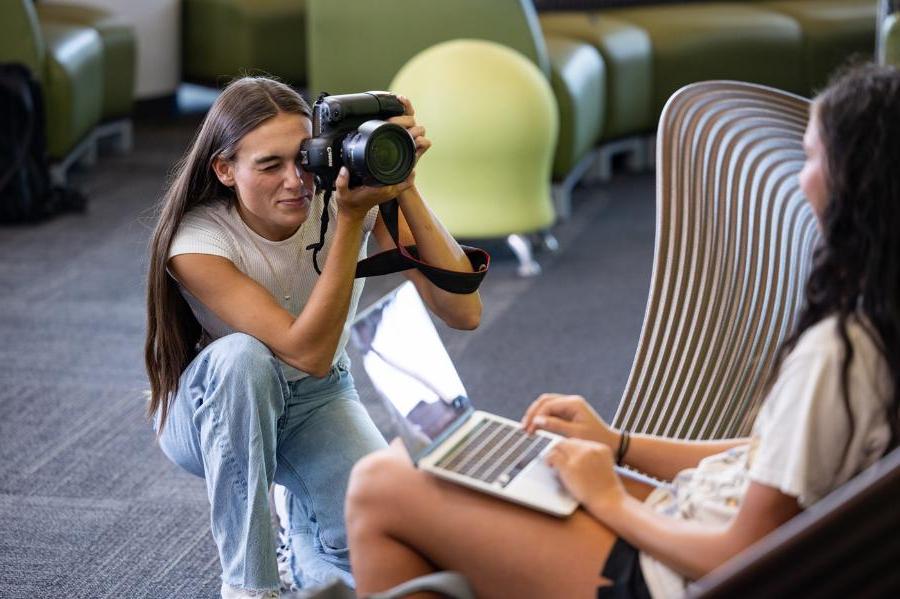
x,y
351,130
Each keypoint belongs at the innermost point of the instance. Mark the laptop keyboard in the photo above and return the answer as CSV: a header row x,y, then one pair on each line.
x,y
493,452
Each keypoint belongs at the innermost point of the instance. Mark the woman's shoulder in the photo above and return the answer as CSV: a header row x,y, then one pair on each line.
x,y
822,348
825,337
212,213
206,229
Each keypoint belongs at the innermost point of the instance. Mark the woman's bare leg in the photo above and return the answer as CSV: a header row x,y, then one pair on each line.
x,y
403,523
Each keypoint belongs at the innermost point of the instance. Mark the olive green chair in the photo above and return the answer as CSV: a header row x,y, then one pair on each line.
x,y
67,59
119,62
224,39
387,33
492,118
119,51
628,54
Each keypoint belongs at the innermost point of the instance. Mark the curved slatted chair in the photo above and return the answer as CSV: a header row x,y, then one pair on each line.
x,y
734,242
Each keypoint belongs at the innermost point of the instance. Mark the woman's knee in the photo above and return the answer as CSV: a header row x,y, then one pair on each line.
x,y
239,352
244,358
236,368
376,482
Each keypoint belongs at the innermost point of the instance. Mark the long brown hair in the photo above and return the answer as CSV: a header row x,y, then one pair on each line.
x,y
172,331
857,269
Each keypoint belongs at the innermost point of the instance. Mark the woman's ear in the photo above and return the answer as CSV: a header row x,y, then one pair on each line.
x,y
224,170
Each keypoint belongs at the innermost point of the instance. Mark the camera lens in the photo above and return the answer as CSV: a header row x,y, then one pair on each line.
x,y
387,155
380,153
384,154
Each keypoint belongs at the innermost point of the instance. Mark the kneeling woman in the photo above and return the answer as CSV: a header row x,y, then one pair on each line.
x,y
831,411
245,341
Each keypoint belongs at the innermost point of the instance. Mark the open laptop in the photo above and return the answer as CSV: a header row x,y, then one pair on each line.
x,y
412,372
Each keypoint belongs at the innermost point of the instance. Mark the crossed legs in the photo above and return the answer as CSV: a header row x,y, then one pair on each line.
x,y
403,523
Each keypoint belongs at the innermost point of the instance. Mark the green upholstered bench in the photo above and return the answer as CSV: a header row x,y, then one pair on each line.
x,y
719,40
67,60
890,40
119,63
832,31
72,84
628,56
578,80
224,39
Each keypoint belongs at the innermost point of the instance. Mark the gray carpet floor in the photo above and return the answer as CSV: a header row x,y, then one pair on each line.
x,y
89,506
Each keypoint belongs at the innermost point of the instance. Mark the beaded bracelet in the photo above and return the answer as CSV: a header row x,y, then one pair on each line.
x,y
623,447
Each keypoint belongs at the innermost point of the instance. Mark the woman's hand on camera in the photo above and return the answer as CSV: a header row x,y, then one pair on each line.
x,y
408,121
357,201
569,416
586,470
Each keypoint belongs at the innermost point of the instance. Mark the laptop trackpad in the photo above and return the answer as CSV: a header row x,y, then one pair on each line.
x,y
539,479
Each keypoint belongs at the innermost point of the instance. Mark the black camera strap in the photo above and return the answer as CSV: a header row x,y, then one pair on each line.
x,y
406,257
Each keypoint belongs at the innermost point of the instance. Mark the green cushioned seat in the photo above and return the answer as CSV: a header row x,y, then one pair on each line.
x,y
20,36
890,40
578,80
387,33
492,118
119,51
716,40
224,39
73,84
832,30
628,57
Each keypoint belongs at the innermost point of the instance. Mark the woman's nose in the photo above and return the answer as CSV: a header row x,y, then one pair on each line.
x,y
295,177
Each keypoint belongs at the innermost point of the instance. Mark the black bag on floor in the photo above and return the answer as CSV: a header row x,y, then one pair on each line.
x,y
26,193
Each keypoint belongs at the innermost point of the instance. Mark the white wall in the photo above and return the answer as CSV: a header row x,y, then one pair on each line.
x,y
157,25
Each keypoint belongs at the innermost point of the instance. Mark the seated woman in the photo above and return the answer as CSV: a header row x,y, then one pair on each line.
x,y
245,338
831,411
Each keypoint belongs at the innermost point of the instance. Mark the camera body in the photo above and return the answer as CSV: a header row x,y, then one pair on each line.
x,y
351,130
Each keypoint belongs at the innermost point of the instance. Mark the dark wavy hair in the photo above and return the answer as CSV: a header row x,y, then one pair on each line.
x,y
856,271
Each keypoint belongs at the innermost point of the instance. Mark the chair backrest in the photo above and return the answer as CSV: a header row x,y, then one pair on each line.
x,y
501,184
843,546
387,33
20,36
734,240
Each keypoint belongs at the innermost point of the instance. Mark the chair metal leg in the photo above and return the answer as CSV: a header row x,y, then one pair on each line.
x,y
634,150
119,134
544,241
521,247
562,190
58,174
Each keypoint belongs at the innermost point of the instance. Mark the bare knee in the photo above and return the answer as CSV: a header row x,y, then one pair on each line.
x,y
378,483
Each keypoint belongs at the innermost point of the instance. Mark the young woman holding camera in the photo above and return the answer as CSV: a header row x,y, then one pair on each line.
x,y
831,411
245,341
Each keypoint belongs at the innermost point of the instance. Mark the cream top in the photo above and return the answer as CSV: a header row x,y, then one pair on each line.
x,y
284,268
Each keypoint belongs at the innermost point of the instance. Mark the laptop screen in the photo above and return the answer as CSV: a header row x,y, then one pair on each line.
x,y
410,369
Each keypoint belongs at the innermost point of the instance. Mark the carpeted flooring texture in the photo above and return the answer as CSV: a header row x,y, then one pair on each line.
x,y
89,506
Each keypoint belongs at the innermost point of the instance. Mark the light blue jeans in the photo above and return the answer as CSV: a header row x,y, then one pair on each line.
x,y
237,423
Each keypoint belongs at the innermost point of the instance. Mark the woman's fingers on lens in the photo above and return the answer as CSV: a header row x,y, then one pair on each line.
x,y
407,105
405,121
343,179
